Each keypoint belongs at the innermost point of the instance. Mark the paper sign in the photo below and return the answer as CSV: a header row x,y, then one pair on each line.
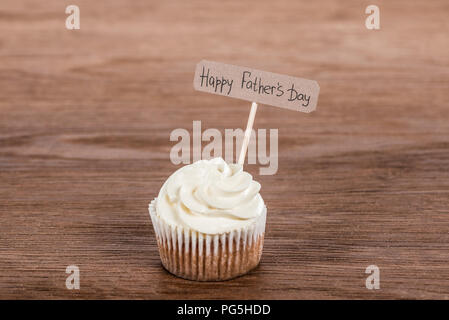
x,y
255,85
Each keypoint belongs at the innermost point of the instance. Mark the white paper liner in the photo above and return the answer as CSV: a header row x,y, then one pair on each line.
x,y
197,256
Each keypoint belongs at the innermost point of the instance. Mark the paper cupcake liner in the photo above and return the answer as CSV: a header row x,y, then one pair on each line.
x,y
197,256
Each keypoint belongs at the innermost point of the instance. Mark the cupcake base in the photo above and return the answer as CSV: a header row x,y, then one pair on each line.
x,y
196,256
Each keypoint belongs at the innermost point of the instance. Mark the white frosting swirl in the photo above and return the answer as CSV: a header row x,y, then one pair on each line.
x,y
210,196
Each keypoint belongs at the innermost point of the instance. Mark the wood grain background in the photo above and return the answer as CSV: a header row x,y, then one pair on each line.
x,y
84,144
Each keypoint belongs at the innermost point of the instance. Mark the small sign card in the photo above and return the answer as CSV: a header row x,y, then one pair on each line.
x,y
257,86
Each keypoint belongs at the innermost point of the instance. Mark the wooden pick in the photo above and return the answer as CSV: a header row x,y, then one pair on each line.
x,y
249,128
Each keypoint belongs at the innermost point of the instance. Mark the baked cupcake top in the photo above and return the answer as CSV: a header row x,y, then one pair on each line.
x,y
210,196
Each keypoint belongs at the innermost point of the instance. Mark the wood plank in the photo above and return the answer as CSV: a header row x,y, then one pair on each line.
x,y
84,145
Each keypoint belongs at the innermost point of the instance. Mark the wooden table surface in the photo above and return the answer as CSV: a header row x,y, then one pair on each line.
x,y
84,144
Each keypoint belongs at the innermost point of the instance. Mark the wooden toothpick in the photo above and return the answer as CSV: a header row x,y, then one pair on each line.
x,y
249,128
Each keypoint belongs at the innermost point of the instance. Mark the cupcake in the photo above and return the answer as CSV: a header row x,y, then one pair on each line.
x,y
209,220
